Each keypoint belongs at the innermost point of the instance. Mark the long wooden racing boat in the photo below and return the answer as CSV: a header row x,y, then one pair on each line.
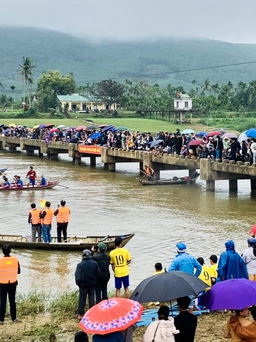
x,y
2,170
172,181
78,243
49,185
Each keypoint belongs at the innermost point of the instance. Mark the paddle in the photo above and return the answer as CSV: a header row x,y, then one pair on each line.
x,y
68,240
63,186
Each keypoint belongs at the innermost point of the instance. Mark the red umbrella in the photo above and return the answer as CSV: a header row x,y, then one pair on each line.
x,y
211,134
253,231
196,142
81,128
103,125
113,314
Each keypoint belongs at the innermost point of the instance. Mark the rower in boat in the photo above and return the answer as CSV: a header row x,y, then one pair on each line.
x,y
18,183
6,184
149,172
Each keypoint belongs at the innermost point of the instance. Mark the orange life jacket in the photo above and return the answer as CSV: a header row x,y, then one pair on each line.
x,y
63,214
48,217
8,270
35,218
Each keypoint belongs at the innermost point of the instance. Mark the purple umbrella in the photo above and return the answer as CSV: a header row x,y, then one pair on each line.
x,y
232,294
229,135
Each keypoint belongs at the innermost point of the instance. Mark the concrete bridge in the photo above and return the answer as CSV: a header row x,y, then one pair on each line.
x,y
209,171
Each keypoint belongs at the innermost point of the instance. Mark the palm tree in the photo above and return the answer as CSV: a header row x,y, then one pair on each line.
x,y
26,72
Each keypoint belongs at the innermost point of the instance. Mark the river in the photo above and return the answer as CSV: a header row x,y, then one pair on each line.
x,y
105,203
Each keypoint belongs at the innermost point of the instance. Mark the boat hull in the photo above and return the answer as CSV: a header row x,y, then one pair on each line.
x,y
73,243
182,180
50,185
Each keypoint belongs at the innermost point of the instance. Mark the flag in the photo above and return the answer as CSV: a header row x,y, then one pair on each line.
x,y
42,203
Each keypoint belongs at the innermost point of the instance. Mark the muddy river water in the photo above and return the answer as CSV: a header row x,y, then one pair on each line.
x,y
105,203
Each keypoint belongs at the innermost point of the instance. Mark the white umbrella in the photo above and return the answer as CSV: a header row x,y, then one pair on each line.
x,y
242,137
61,126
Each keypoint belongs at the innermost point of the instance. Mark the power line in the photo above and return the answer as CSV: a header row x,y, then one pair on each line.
x,y
194,69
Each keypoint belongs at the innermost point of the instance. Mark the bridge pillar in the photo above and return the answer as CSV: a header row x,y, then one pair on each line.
x,y
105,167
141,169
29,152
232,185
112,167
77,160
12,149
40,154
210,185
1,145
53,156
93,160
253,184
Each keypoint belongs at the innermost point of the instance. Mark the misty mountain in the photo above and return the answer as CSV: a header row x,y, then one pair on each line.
x,y
174,61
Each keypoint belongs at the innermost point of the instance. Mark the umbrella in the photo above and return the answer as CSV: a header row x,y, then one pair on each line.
x,y
253,230
168,286
211,134
187,131
233,294
109,128
103,125
61,126
122,128
113,314
41,126
251,133
196,142
95,135
53,130
242,137
36,126
91,128
81,128
12,125
229,135
200,134
49,125
1,125
155,143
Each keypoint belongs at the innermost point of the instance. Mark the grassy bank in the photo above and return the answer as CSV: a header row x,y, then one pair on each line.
x,y
44,319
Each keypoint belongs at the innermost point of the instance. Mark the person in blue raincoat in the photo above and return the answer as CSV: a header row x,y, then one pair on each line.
x,y
231,265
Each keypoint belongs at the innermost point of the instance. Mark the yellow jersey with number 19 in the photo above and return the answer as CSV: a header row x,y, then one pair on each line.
x,y
120,257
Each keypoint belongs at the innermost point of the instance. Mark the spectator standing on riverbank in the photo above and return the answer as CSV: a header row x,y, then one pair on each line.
x,y
249,257
231,265
120,259
63,214
9,270
46,215
35,221
213,268
185,322
86,275
103,260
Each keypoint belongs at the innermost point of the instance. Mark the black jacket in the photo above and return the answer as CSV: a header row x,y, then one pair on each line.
x,y
87,272
103,260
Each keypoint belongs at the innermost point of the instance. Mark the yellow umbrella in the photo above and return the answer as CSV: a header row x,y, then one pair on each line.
x,y
36,126
12,125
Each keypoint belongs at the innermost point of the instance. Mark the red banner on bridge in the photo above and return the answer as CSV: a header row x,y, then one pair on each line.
x,y
90,149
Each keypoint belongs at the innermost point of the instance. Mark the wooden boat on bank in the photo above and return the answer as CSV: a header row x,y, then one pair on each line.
x,y
49,185
74,243
172,181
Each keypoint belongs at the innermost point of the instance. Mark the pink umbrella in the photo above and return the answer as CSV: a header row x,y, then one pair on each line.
x,y
196,142
53,130
211,134
81,128
229,135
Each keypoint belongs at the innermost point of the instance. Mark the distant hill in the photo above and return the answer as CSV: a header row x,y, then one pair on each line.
x,y
163,60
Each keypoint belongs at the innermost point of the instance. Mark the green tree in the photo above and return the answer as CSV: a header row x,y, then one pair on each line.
x,y
26,72
108,91
51,84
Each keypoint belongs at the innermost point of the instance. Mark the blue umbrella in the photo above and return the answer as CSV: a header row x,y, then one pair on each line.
x,y
156,142
42,126
200,134
109,128
251,133
95,135
6,130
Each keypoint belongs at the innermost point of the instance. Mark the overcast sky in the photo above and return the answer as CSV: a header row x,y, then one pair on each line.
x,y
227,20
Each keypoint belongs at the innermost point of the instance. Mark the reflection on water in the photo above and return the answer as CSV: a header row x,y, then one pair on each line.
x,y
104,203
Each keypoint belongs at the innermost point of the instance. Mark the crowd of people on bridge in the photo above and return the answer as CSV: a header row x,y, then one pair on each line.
x,y
201,145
